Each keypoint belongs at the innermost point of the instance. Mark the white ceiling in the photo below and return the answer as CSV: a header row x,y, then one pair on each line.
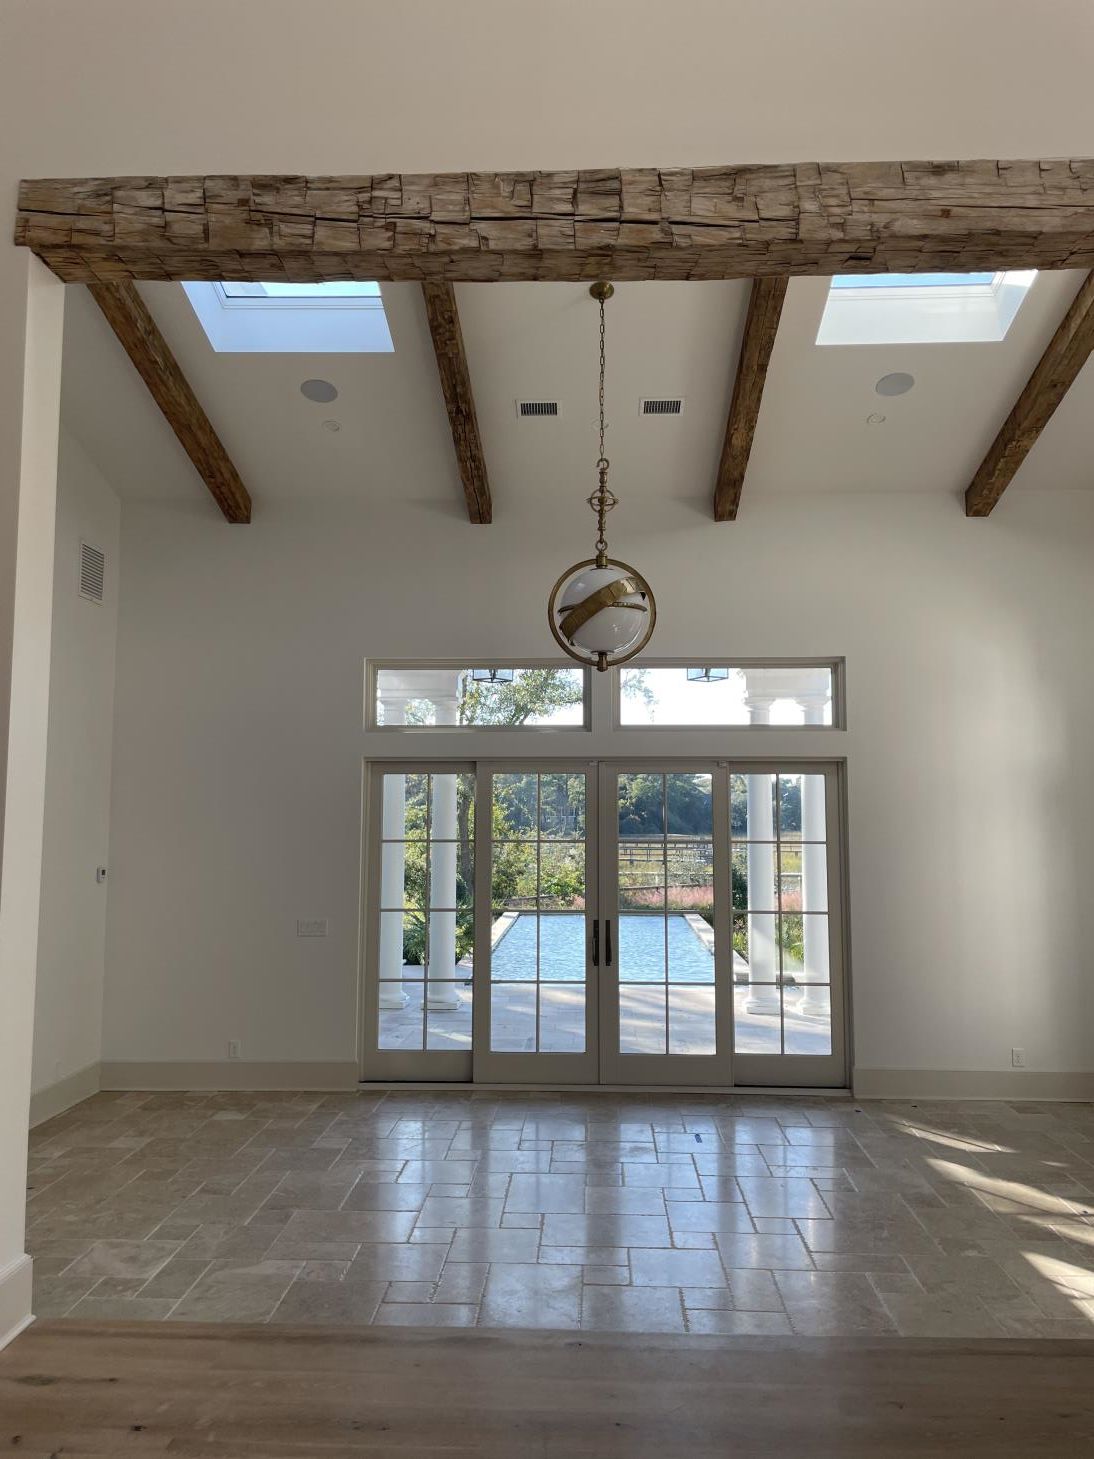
x,y
539,341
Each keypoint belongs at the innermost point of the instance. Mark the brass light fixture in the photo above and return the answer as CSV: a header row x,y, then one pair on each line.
x,y
601,611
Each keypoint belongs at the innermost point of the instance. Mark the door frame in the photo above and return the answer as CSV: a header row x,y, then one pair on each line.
x,y
746,1071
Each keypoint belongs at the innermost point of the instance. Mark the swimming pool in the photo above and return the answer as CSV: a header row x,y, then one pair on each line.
x,y
641,954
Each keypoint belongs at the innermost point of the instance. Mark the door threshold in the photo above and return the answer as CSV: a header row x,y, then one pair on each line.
x,y
784,1091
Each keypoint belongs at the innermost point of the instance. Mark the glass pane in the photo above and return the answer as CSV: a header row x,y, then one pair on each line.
x,y
451,874
689,805
641,875
513,875
801,808
448,1016
562,807
753,869
752,807
562,1018
814,875
691,1021
726,694
808,1020
402,874
691,949
756,1020
642,1013
513,1018
561,876
804,942
514,953
402,945
562,947
516,806
641,806
640,956
527,698
400,1024
690,878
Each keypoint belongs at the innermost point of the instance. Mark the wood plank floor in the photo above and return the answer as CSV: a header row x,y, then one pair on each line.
x,y
225,1392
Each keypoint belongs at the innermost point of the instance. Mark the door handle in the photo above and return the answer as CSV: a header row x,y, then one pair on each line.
x,y
596,944
607,942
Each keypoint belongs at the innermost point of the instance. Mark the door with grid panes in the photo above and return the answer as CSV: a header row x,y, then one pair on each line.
x,y
636,924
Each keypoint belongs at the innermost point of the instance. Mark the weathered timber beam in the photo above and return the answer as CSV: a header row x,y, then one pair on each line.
x,y
444,326
765,307
620,223
1067,353
128,316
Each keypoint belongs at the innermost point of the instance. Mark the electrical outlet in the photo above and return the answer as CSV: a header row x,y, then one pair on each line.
x,y
235,1049
311,927
1018,1058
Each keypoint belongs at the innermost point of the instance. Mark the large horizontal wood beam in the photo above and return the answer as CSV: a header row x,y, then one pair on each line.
x,y
128,316
1067,353
444,326
620,223
765,307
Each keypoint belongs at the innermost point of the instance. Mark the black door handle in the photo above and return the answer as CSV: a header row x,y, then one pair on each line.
x,y
607,942
596,944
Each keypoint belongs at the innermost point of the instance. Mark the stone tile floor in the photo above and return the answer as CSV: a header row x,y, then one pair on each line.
x,y
708,1214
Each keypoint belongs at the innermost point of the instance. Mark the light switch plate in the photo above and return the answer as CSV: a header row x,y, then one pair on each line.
x,y
311,927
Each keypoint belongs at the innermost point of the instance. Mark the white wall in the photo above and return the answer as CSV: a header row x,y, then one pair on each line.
x,y
238,748
72,923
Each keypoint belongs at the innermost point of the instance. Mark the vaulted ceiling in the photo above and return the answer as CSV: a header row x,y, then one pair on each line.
x,y
538,341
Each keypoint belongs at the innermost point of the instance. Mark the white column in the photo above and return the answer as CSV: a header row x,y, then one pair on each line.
x,y
392,871
763,953
814,1002
441,987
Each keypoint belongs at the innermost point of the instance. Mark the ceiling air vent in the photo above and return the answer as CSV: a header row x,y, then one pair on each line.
x,y
537,407
663,407
92,568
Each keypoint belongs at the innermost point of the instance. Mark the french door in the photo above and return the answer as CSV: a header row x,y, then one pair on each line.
x,y
611,922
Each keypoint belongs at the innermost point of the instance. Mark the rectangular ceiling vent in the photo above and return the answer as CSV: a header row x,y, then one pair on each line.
x,y
92,571
663,407
537,407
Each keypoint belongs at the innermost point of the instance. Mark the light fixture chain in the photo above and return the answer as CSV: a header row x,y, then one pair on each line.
x,y
602,369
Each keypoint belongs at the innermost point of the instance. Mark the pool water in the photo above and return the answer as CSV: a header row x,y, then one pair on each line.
x,y
640,956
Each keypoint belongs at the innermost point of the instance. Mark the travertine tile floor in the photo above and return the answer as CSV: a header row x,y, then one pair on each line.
x,y
702,1214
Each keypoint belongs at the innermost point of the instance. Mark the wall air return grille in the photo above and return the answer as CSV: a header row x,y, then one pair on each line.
x,y
537,407
663,407
92,570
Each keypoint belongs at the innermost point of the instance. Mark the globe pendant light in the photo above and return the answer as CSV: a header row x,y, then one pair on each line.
x,y
601,611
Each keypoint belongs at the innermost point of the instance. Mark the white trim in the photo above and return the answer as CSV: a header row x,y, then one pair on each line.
x,y
54,1099
232,1074
973,1084
758,1091
16,1315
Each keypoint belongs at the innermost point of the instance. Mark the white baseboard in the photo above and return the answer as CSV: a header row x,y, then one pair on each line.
x,y
15,1288
972,1084
56,1098
232,1074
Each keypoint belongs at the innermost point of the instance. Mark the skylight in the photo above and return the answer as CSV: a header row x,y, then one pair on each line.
x,y
343,317
922,308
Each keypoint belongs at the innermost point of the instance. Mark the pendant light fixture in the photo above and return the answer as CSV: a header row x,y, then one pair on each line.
x,y
601,611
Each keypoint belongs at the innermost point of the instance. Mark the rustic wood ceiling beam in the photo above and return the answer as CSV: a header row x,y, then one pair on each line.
x,y
444,326
765,307
128,316
620,223
1067,353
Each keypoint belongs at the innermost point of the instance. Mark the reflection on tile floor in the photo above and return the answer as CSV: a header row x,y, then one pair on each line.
x,y
668,1214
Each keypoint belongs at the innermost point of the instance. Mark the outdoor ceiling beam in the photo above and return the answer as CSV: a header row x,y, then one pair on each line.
x,y
1067,353
128,316
619,223
765,307
444,326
